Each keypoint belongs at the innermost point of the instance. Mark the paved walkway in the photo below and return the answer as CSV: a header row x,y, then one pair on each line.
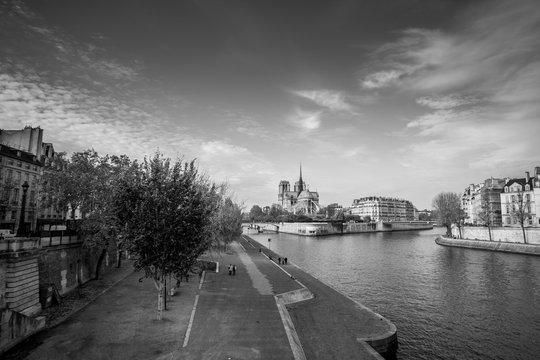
x,y
219,317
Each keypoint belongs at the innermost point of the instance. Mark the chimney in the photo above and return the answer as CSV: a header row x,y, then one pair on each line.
x,y
506,180
527,177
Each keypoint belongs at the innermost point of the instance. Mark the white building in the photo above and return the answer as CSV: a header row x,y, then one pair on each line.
x,y
524,193
471,203
384,208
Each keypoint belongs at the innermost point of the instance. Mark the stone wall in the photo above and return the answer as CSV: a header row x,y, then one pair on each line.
x,y
510,247
68,266
15,327
503,234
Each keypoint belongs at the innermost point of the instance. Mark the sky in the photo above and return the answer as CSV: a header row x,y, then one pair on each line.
x,y
403,98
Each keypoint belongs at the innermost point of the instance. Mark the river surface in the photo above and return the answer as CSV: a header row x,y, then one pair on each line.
x,y
447,303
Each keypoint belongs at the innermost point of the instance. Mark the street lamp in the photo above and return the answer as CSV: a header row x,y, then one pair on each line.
x,y
21,229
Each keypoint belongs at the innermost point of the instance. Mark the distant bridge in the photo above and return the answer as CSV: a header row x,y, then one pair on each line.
x,y
261,227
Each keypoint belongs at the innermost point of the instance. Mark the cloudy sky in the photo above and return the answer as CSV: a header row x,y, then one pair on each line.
x,y
396,98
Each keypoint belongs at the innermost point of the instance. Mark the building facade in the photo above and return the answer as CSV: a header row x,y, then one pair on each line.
x,y
379,208
520,198
491,198
300,200
18,168
471,203
26,147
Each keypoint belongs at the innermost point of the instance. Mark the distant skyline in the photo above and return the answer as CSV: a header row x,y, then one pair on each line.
x,y
393,98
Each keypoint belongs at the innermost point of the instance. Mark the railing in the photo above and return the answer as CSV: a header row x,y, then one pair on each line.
x,y
54,238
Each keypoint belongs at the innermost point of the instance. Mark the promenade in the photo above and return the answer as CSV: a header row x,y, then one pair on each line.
x,y
219,316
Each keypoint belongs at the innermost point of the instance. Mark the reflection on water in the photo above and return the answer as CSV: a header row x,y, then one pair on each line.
x,y
447,303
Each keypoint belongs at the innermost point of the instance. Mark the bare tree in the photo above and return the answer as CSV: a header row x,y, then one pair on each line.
x,y
486,214
520,211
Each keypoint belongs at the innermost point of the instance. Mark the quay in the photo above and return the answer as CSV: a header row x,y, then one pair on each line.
x,y
509,247
266,310
336,228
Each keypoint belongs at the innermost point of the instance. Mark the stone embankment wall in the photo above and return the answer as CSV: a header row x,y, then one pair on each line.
x,y
504,234
510,247
28,269
329,228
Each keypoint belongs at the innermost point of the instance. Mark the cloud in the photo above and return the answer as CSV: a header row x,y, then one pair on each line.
x,y
221,149
480,84
382,79
306,120
332,100
442,102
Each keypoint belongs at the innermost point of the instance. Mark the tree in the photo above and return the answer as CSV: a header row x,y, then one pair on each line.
x,y
87,182
228,221
168,212
448,207
486,214
256,213
521,211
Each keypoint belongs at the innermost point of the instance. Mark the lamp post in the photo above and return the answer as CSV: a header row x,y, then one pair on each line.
x,y
21,231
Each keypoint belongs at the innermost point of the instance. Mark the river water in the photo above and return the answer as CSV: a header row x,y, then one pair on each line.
x,y
447,303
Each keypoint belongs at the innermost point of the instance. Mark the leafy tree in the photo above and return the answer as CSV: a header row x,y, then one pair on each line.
x,y
256,213
228,220
521,212
448,207
169,213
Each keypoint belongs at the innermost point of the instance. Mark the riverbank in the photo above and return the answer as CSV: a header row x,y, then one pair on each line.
x,y
337,228
266,310
510,247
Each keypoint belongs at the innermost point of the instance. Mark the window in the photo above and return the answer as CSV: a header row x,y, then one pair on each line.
x,y
15,196
19,164
13,214
513,198
9,175
528,197
527,187
508,220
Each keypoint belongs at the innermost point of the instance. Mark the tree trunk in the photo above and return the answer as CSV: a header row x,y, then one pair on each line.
x,y
160,287
449,230
489,232
119,258
524,237
460,236
99,262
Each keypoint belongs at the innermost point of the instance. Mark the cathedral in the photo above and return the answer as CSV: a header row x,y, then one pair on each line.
x,y
300,200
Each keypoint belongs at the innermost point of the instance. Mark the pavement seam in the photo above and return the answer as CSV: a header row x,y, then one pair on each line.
x,y
188,332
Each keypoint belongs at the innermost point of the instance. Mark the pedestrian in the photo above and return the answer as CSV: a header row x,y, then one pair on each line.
x,y
234,269
285,260
230,269
279,260
260,250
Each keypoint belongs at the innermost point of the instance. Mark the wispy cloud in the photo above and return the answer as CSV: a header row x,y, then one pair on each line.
x,y
382,79
330,99
306,120
442,102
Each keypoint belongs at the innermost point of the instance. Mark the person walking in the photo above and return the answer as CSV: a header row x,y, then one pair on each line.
x,y
234,269
230,269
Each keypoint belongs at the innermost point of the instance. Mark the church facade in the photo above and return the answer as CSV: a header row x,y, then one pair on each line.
x,y
299,200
